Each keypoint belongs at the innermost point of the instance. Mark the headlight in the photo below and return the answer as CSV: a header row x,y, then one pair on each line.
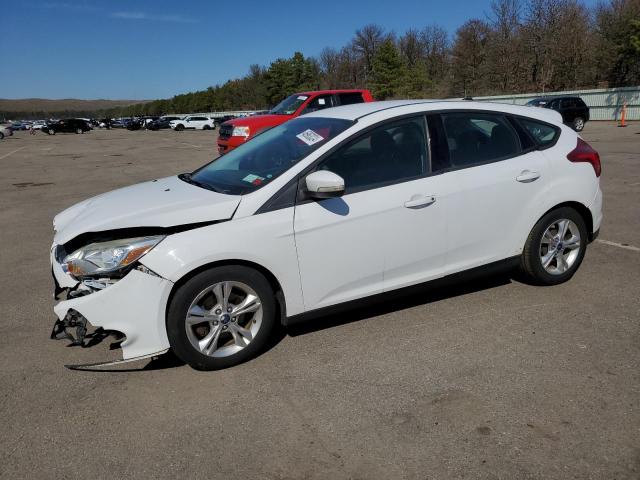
x,y
108,257
240,132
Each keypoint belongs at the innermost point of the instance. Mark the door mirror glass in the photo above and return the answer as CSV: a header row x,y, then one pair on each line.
x,y
324,184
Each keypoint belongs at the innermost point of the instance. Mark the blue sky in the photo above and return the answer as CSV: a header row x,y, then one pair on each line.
x,y
145,49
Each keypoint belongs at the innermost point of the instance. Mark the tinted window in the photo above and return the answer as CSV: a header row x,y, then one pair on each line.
x,y
266,156
319,103
388,154
350,98
541,132
475,138
199,118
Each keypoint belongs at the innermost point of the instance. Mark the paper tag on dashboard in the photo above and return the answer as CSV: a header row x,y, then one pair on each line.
x,y
310,137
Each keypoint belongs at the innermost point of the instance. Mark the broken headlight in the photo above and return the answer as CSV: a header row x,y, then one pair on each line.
x,y
105,258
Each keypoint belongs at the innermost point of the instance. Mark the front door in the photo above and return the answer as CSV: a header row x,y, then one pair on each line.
x,y
386,231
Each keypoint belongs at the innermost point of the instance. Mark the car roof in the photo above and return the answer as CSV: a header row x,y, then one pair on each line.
x,y
326,92
399,107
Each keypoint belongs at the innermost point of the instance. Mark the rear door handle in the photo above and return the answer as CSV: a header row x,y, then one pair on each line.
x,y
527,176
420,201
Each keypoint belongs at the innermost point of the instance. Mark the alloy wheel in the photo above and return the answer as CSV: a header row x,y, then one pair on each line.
x,y
223,319
560,246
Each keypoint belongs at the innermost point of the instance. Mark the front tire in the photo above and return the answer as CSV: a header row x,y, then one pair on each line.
x,y
578,124
221,317
51,131
555,247
179,127
79,131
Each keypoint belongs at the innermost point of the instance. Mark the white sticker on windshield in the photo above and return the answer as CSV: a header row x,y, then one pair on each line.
x,y
310,137
302,97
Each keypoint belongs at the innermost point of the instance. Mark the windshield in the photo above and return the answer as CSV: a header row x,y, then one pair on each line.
x,y
289,105
266,156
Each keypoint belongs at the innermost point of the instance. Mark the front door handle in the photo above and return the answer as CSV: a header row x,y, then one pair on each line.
x,y
420,201
527,176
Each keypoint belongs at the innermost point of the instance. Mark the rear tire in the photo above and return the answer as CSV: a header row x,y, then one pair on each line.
x,y
578,124
555,247
201,325
1,136
51,131
206,127
79,131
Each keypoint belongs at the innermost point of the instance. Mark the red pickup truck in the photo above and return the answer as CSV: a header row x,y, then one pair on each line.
x,y
237,131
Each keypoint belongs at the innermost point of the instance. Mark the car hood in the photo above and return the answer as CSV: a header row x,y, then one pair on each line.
x,y
165,202
258,121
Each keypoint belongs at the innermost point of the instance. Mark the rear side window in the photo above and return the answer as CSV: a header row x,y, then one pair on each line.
x,y
545,135
350,98
476,138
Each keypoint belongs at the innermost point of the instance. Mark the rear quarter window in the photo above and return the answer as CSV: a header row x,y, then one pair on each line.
x,y
350,98
544,134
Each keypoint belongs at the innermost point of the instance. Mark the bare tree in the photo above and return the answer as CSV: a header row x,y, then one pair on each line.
x,y
469,58
411,47
435,41
366,42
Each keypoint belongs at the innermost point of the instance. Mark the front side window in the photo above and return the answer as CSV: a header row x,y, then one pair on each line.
x,y
388,154
476,138
266,156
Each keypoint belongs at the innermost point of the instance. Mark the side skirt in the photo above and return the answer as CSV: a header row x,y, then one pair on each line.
x,y
501,266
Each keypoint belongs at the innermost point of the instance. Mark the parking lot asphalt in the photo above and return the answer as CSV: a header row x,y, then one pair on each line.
x,y
490,379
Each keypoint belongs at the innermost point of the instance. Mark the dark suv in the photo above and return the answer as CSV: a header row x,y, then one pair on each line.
x,y
573,109
68,125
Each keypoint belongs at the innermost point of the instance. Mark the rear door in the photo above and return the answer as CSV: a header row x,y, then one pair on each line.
x,y
493,173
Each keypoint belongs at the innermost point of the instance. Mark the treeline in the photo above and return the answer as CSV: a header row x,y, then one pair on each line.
x,y
519,46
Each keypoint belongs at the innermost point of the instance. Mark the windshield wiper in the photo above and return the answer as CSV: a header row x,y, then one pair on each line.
x,y
186,177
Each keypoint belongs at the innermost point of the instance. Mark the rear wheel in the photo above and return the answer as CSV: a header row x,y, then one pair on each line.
x,y
578,124
79,130
51,131
1,136
206,127
221,317
555,247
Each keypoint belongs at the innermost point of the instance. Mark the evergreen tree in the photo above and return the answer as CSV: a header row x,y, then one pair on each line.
x,y
387,70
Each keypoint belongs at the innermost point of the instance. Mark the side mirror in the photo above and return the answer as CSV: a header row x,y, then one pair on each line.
x,y
324,184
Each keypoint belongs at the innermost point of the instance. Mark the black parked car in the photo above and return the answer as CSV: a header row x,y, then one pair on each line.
x,y
574,111
68,125
161,123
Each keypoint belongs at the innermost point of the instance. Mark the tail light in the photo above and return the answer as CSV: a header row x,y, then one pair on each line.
x,y
585,153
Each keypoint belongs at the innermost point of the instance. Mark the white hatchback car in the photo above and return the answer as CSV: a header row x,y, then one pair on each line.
x,y
193,122
325,209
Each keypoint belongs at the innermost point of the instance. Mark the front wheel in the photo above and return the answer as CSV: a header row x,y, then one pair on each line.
x,y
179,127
1,136
555,247
51,131
578,124
221,317
79,131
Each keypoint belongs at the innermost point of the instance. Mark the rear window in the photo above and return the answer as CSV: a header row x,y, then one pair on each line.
x,y
350,98
543,133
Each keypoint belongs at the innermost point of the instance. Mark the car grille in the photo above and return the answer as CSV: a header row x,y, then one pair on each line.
x,y
225,131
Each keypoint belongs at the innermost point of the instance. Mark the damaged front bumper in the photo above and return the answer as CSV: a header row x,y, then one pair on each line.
x,y
131,309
